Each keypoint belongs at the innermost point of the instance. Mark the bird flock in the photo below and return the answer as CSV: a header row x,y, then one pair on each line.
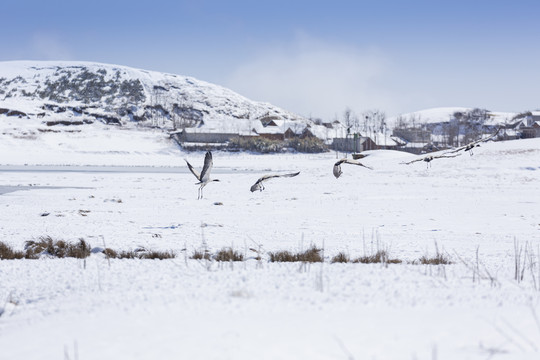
x,y
204,176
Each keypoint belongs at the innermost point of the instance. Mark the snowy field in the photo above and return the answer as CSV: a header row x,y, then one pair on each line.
x,y
129,189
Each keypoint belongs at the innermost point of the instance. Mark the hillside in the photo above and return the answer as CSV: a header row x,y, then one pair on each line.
x,y
83,92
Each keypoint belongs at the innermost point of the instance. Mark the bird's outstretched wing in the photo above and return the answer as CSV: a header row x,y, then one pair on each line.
x,y
474,143
446,156
258,184
413,161
352,162
268,177
286,175
193,171
207,167
428,158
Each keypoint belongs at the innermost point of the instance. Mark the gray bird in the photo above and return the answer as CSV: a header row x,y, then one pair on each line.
x,y
259,184
204,176
337,166
429,158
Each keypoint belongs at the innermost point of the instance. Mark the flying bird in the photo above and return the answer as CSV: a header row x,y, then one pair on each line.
x,y
470,146
204,176
430,158
337,166
259,185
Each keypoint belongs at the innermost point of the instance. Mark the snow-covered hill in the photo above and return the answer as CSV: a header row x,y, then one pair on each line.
x,y
84,92
445,114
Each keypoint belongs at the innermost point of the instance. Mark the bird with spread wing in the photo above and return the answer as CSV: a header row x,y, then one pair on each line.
x,y
429,158
470,146
337,166
204,176
259,185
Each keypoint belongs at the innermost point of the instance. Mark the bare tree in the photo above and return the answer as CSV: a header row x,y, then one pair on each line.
x,y
183,114
348,119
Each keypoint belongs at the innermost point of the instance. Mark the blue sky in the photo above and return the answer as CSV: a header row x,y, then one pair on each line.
x,y
312,58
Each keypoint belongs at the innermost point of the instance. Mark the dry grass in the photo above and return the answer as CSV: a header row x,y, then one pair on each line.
x,y
311,255
340,258
439,259
110,253
57,248
7,253
228,254
141,254
282,256
380,256
127,254
46,245
200,255
155,254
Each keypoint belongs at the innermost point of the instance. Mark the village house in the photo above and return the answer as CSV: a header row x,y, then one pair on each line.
x,y
353,144
204,136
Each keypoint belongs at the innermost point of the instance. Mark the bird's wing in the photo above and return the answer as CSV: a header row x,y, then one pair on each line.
x,y
448,156
289,175
476,142
354,162
268,177
207,167
458,149
193,171
413,161
491,136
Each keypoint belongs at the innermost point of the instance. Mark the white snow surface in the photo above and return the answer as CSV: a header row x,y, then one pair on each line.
x,y
135,191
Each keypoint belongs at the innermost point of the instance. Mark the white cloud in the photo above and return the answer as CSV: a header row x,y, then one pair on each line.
x,y
49,47
315,78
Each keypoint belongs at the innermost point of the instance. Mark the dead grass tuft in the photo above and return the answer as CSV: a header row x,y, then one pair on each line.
x,y
46,245
439,259
127,254
139,254
110,253
381,256
57,248
311,255
79,250
200,255
228,254
282,256
7,253
155,254
340,258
